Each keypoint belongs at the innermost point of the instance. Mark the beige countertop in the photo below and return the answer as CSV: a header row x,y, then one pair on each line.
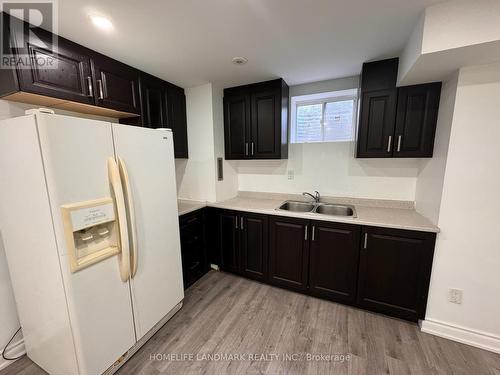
x,y
388,214
186,206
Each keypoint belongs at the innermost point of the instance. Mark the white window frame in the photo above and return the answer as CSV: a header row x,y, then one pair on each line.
x,y
322,98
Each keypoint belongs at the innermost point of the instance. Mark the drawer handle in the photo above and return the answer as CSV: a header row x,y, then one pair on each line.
x,y
196,264
89,85
192,220
101,90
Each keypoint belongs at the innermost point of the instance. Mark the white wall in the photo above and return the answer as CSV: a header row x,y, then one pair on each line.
x,y
448,36
195,175
431,177
330,168
467,254
460,23
228,187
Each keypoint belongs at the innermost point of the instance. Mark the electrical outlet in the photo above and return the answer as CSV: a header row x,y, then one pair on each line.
x,y
290,174
455,296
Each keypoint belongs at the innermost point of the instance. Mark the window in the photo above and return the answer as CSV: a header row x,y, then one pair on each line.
x,y
324,117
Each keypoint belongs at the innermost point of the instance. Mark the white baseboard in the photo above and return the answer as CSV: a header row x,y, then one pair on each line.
x,y
15,350
463,335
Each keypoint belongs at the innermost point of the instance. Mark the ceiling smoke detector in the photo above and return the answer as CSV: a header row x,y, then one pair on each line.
x,y
239,60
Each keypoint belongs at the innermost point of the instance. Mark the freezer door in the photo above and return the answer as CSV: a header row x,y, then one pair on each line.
x,y
148,158
75,154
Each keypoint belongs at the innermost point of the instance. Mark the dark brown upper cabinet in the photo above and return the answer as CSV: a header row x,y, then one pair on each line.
x,y
116,85
153,102
48,73
256,121
289,252
85,81
69,74
376,129
394,271
163,105
177,119
236,126
395,122
333,263
416,118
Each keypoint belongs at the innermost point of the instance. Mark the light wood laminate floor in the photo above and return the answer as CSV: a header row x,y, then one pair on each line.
x,y
226,314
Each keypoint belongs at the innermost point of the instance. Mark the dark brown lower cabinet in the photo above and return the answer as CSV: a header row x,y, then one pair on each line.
x,y
333,263
229,243
378,269
289,252
193,247
243,243
254,244
394,271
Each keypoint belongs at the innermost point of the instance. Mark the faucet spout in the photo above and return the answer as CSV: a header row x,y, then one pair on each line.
x,y
316,196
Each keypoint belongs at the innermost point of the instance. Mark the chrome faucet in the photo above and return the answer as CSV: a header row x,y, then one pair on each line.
x,y
316,195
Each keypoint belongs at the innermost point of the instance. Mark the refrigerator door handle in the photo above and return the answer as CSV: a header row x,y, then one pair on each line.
x,y
117,191
129,203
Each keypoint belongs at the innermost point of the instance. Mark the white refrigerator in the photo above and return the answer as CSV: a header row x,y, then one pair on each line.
x,y
89,224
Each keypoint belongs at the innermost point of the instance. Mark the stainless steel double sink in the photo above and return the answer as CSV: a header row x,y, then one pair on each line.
x,y
320,208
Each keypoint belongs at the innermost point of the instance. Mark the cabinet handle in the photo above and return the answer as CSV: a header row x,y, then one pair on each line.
x,y
192,220
389,144
89,85
246,148
399,143
241,222
366,241
305,233
252,149
101,91
236,222
313,230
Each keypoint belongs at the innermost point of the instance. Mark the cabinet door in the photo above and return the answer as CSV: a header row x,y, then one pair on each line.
x,y
376,128
416,119
254,245
154,113
193,250
333,264
236,126
265,137
394,271
288,252
177,120
68,77
229,241
116,85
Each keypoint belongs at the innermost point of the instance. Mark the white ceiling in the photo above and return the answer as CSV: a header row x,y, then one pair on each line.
x,y
192,42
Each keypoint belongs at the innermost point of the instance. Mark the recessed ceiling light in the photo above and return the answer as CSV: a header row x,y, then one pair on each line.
x,y
101,22
240,60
